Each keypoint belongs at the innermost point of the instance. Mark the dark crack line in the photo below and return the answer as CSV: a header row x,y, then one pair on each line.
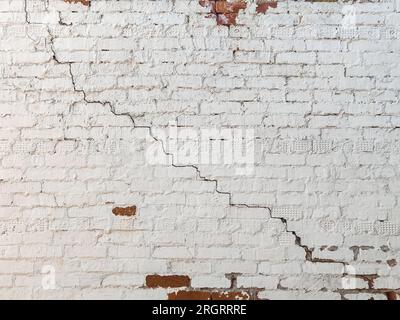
x,y
26,11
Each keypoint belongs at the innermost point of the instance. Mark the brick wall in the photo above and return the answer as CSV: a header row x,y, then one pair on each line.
x,y
96,200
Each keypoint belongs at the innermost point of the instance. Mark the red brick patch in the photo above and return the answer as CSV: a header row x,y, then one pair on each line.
x,y
84,2
125,212
263,6
225,12
391,295
230,295
190,295
209,295
157,281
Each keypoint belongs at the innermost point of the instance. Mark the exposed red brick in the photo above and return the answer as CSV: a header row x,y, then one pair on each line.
x,y
84,2
209,295
230,295
190,295
225,12
391,295
392,263
229,7
125,212
157,281
228,19
370,279
263,6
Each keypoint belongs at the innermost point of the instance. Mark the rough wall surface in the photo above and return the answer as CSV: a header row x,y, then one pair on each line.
x,y
96,202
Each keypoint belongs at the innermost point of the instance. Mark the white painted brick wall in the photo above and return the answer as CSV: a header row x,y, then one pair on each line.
x,y
90,98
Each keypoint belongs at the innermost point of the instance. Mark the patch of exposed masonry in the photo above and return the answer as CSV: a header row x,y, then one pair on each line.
x,y
231,9
84,2
181,288
124,211
227,11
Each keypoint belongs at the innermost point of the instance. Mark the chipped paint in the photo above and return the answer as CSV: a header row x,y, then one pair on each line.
x,y
157,281
225,12
125,212
84,2
263,6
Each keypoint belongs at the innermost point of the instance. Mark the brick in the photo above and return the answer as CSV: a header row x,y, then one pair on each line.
x,y
157,281
231,295
263,6
125,212
226,12
392,295
189,295
84,2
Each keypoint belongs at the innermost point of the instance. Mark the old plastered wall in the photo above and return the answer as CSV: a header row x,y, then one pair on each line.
x,y
96,201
